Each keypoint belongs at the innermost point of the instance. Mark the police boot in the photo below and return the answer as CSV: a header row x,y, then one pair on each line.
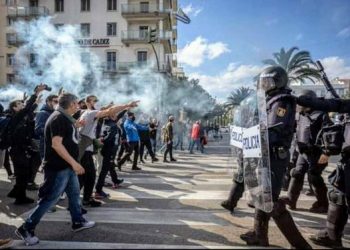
x,y
234,196
258,237
336,220
295,187
286,225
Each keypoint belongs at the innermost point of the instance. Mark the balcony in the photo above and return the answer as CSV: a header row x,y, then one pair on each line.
x,y
27,11
127,67
137,12
134,37
14,40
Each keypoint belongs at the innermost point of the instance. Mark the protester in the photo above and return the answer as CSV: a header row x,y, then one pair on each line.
x,y
195,137
132,135
21,141
145,141
168,139
153,126
88,133
61,168
109,150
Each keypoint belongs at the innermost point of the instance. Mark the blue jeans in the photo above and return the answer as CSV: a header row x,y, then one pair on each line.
x,y
63,181
199,145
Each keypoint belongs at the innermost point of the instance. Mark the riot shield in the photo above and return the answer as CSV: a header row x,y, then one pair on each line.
x,y
236,157
256,158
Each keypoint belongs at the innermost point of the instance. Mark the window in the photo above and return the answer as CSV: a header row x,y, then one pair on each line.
x,y
143,32
33,60
59,5
144,7
11,39
10,78
85,29
10,3
33,3
112,5
10,21
111,29
142,56
10,59
111,60
85,5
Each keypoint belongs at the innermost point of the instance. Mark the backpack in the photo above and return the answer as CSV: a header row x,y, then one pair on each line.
x,y
5,132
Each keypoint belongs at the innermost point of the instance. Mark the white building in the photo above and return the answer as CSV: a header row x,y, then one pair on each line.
x,y
340,86
117,31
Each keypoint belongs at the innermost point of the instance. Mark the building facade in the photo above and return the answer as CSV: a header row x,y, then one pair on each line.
x,y
341,86
117,31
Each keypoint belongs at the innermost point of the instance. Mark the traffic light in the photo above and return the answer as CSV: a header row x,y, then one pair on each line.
x,y
152,36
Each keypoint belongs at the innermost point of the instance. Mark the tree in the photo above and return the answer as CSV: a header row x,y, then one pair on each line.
x,y
299,66
237,96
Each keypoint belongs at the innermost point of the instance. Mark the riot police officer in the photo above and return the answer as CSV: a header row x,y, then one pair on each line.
x,y
311,159
281,108
339,194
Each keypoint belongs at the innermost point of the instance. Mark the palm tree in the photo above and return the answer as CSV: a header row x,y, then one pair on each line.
x,y
237,96
299,66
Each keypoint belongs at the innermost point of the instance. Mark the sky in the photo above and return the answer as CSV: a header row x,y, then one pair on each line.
x,y
226,41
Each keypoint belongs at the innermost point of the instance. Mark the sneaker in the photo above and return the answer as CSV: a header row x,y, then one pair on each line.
x,y
27,236
23,201
173,159
77,227
92,203
155,159
32,187
321,238
7,243
228,206
119,181
165,161
136,168
142,161
101,195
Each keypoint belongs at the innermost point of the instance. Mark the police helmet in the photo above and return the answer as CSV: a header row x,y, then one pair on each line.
x,y
272,78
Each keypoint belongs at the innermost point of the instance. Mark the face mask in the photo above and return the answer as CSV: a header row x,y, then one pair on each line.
x,y
133,118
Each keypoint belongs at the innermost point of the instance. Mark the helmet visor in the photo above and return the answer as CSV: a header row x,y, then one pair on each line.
x,y
266,83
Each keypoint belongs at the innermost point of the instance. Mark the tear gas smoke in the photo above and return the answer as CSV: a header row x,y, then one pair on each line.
x,y
52,56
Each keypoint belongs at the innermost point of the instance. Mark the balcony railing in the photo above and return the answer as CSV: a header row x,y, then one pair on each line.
x,y
125,67
142,9
136,35
27,11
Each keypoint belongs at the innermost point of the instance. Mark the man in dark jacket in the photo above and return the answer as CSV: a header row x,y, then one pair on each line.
x,y
20,145
41,118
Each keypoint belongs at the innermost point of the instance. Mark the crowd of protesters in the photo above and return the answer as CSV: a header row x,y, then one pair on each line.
x,y
66,138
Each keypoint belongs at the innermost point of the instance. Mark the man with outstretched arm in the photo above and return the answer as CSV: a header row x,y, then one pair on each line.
x,y
61,168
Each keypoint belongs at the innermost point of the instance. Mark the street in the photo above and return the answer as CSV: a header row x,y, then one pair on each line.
x,y
174,205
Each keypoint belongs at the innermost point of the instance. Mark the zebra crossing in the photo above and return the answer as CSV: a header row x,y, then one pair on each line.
x,y
163,206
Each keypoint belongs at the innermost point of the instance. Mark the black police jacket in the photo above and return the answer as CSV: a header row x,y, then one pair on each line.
x,y
281,118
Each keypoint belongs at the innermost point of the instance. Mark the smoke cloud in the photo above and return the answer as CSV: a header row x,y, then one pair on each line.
x,y
53,56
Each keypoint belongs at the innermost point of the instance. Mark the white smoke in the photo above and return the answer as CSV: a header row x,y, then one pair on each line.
x,y
58,63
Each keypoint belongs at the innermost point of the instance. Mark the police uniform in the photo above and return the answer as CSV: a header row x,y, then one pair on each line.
x,y
339,194
281,108
308,134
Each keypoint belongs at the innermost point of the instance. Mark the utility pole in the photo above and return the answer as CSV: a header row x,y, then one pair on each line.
x,y
152,38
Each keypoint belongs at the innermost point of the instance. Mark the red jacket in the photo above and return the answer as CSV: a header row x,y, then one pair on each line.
x,y
195,131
